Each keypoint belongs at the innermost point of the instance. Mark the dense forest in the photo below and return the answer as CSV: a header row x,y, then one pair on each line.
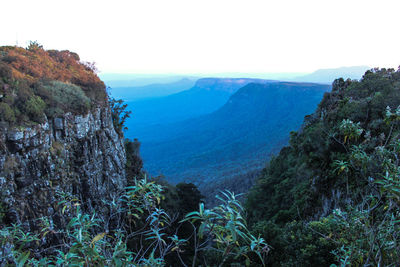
x,y
330,198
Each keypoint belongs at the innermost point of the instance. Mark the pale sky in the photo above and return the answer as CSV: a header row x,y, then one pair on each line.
x,y
210,36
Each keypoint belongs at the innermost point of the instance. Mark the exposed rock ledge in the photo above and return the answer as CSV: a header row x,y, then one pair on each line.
x,y
81,155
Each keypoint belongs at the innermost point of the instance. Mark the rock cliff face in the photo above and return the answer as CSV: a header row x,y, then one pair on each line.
x,y
78,155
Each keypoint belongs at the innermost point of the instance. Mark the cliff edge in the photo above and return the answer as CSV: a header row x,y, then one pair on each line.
x,y
57,137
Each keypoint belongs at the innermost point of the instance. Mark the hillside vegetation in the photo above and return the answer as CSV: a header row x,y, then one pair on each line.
x,y
332,195
35,82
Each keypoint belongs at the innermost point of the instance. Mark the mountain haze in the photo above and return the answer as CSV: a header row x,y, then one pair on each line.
x,y
235,139
206,96
132,93
328,75
138,80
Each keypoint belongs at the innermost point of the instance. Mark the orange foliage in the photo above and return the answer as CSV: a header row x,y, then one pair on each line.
x,y
33,65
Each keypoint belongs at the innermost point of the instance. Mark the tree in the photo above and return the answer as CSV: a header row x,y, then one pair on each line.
x,y
119,114
189,197
134,162
34,45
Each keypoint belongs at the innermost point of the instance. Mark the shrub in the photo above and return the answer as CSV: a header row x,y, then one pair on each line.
x,y
134,163
25,73
5,72
8,99
6,113
226,226
35,64
35,108
23,93
119,114
144,236
33,45
63,97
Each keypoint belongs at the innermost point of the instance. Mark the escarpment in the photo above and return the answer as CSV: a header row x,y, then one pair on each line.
x,y
57,137
79,155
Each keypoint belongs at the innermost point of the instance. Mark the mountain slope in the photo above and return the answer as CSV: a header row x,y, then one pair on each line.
x,y
139,80
206,96
132,93
341,170
238,137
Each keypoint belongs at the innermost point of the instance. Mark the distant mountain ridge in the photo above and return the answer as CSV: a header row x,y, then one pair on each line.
x,y
206,96
328,75
133,93
138,80
230,85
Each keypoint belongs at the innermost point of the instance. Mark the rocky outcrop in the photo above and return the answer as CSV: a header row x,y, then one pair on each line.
x,y
78,155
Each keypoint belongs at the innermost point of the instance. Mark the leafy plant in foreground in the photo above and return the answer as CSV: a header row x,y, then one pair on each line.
x,y
225,227
142,234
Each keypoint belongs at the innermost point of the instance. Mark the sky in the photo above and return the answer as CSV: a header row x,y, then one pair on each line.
x,y
210,36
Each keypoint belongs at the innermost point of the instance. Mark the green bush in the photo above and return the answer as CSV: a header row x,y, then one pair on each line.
x,y
226,226
5,72
145,236
59,78
35,108
63,97
119,114
6,113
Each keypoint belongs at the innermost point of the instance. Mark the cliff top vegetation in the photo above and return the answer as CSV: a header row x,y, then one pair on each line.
x,y
35,82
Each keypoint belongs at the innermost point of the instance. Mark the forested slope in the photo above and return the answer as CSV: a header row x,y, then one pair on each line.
x,y
332,196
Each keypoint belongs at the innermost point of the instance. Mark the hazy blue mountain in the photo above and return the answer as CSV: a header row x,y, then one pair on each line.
x,y
206,96
256,75
135,80
235,139
329,75
133,93
319,76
